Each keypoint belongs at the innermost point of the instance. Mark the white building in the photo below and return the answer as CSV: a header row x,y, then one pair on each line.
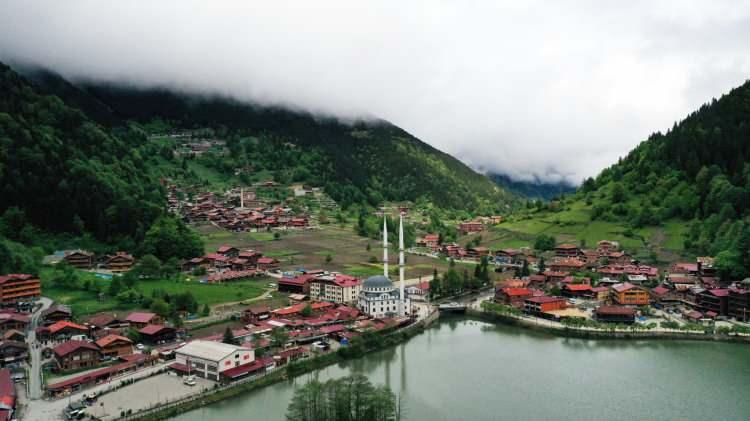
x,y
335,287
379,298
208,359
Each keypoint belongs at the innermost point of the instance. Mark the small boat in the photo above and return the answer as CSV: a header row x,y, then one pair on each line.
x,y
453,307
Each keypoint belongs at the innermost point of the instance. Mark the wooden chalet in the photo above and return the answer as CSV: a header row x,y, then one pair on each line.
x,y
119,262
80,259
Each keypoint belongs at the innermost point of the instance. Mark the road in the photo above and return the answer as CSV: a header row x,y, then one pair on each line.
x,y
35,351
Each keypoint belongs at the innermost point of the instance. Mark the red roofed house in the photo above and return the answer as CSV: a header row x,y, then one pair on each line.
x,y
73,355
555,276
568,250
430,240
337,288
543,304
512,296
267,263
13,321
576,290
297,285
470,226
659,292
256,313
476,253
115,346
157,334
685,268
61,330
713,300
56,313
566,265
140,319
228,251
19,287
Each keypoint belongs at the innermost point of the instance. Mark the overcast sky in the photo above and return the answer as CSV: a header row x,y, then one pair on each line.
x,y
554,89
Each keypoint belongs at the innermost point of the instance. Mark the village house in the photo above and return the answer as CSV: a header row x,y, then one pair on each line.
x,y
513,296
228,251
658,293
566,265
60,331
600,293
431,241
231,276
139,319
119,262
103,321
79,259
496,219
12,352
555,276
568,251
713,302
453,251
684,268
335,287
705,266
476,253
629,294
15,288
418,292
267,264
509,257
14,335
74,355
539,306
13,321
615,314
300,284
114,346
256,314
576,290
618,258
157,334
209,359
605,247
470,227
738,304
56,313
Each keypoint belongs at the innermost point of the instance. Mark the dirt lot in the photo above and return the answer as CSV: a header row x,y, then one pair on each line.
x,y
309,248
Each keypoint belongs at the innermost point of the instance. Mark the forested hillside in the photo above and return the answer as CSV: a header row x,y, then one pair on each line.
x,y
63,174
532,189
692,181
362,162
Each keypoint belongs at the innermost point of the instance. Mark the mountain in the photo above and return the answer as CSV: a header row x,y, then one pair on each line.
x,y
359,162
536,189
686,191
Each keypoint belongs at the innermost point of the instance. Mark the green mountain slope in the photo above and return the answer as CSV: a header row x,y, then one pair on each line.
x,y
362,162
532,189
683,191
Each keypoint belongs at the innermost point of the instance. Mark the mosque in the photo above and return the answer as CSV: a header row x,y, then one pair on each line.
x,y
379,298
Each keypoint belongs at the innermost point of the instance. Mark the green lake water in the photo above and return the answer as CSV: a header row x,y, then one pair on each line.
x,y
463,369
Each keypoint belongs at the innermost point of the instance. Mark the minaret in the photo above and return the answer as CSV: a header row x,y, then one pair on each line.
x,y
242,198
385,247
402,298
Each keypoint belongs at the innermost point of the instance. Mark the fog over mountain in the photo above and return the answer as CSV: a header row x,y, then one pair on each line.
x,y
536,90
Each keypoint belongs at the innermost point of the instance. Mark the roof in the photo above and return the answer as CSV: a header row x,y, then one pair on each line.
x,y
332,329
720,292
244,369
566,246
90,376
110,339
616,311
577,287
15,317
62,324
660,290
625,286
66,348
102,319
209,350
377,281
153,329
259,309
544,299
516,292
57,308
266,260
15,277
140,317
224,249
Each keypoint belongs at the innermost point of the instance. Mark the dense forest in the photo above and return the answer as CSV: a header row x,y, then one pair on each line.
x,y
62,175
697,171
356,162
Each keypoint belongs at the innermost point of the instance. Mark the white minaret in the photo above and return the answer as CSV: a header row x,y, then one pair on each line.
x,y
385,247
402,298
242,198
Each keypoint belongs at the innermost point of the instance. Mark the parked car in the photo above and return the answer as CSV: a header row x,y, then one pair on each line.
x,y
188,380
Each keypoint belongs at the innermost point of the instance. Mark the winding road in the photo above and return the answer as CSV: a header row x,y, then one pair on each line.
x,y
35,351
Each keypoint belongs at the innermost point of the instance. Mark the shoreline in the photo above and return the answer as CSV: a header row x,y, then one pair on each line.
x,y
296,369
288,372
568,332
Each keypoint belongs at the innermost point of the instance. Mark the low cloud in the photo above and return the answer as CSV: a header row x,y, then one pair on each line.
x,y
536,90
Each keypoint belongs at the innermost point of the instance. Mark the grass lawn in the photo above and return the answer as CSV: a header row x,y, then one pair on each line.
x,y
86,302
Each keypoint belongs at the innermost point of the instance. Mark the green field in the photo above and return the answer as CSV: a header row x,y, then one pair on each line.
x,y
86,302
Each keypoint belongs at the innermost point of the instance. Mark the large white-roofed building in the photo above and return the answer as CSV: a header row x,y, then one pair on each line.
x,y
208,359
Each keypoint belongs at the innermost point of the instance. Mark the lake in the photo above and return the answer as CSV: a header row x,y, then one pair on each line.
x,y
462,369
